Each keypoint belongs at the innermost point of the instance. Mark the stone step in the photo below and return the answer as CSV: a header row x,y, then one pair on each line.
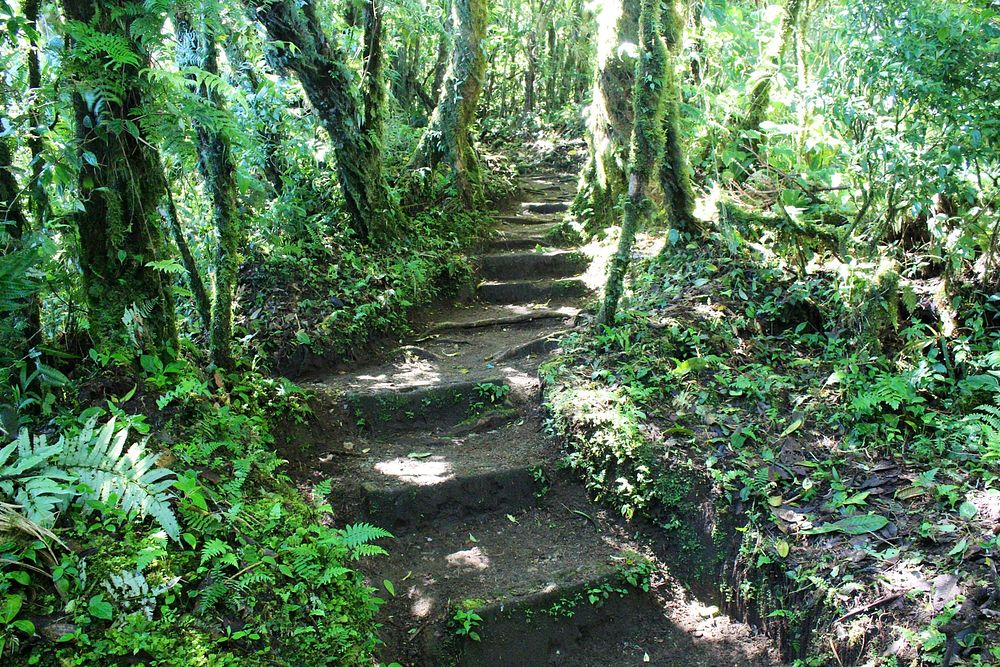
x,y
408,483
518,265
514,569
532,291
545,207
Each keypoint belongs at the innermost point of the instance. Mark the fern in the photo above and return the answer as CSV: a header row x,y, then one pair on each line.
x,y
986,420
357,537
887,390
17,281
43,479
132,477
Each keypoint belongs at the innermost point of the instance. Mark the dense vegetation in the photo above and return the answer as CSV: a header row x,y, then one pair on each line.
x,y
796,203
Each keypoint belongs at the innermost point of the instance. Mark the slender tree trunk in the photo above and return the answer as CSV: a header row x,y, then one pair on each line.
x,y
197,47
529,74
40,198
12,217
675,174
441,63
202,301
329,84
121,185
609,125
760,94
249,79
645,150
448,136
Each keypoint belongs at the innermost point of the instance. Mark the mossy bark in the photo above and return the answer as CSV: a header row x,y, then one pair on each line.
x,y
121,184
448,137
760,95
330,85
39,196
646,148
12,217
603,180
197,47
674,172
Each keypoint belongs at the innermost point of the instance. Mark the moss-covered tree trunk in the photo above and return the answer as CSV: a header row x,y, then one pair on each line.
x,y
448,137
674,172
332,89
646,148
12,217
267,123
120,187
39,196
760,94
197,47
609,123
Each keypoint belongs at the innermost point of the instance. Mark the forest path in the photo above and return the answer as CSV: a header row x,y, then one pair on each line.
x,y
442,443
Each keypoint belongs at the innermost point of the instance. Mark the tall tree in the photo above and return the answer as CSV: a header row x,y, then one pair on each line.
x,y
646,147
197,47
449,136
674,172
609,122
760,93
121,180
332,89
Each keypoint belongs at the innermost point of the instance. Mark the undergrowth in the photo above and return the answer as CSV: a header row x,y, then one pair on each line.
x,y
848,459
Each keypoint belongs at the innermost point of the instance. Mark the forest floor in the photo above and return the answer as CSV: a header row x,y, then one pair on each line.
x,y
500,558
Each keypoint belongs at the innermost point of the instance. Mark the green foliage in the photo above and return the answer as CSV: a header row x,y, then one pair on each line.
x,y
91,466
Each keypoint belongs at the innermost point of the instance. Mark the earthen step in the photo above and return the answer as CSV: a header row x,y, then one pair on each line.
x,y
527,265
503,315
436,405
408,483
529,219
514,569
532,291
546,207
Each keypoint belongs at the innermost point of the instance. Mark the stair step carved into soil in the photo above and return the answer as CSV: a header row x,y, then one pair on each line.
x,y
442,443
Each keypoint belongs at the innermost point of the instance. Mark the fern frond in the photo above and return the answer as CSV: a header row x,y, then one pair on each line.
x,y
140,487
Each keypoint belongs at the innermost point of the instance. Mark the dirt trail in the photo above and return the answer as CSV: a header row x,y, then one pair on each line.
x,y
442,443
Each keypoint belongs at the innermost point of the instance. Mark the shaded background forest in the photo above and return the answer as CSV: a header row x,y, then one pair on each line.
x,y
196,195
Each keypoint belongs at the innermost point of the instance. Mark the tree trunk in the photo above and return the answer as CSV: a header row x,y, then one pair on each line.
x,y
121,185
197,47
249,79
675,174
448,136
12,217
609,125
329,84
760,94
202,301
645,150
40,198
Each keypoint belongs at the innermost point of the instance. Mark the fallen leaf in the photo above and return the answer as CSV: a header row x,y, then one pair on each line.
x,y
852,525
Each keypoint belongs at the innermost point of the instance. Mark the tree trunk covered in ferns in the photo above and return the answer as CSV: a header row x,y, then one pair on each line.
x,y
197,47
267,125
760,94
39,197
121,185
645,149
609,124
12,217
331,88
675,174
449,136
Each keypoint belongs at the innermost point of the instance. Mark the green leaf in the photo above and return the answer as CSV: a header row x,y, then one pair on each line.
x,y
389,587
852,525
100,608
967,510
11,606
